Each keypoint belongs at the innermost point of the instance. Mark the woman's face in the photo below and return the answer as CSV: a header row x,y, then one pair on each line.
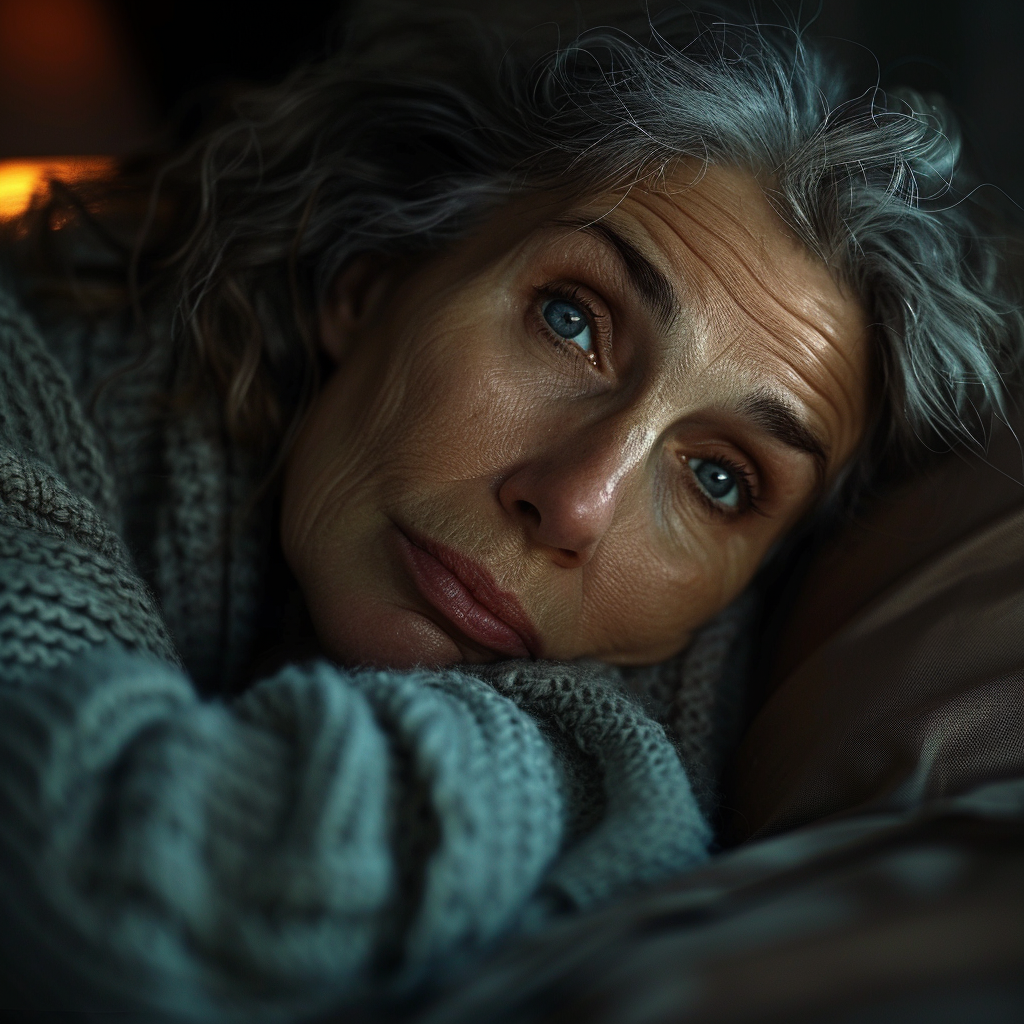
x,y
575,434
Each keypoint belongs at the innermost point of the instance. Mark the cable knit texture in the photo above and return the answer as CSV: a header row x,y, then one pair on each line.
x,y
328,835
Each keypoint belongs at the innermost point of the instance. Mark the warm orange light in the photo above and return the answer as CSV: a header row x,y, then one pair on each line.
x,y
20,180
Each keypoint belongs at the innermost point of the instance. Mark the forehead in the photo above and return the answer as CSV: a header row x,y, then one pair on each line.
x,y
757,311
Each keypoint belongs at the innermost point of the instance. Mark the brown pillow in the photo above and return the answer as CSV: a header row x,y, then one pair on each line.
x,y
900,676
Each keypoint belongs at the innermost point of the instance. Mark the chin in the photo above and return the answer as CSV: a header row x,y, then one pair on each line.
x,y
386,636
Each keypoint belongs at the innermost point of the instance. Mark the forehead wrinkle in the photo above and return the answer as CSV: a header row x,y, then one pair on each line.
x,y
775,330
700,197
816,383
839,398
736,293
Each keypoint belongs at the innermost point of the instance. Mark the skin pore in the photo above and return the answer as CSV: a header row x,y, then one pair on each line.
x,y
575,433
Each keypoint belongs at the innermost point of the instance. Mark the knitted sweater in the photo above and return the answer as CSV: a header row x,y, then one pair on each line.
x,y
324,836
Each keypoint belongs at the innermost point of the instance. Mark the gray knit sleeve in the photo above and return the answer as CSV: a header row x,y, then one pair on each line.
x,y
325,836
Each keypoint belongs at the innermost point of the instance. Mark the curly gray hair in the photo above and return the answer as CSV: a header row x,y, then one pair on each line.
x,y
410,135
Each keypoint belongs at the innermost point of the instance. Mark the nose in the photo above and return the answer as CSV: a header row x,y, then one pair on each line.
x,y
565,498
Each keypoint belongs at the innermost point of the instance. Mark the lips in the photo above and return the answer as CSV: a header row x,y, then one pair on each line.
x,y
467,596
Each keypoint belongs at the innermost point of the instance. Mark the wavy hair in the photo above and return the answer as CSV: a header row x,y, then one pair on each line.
x,y
412,133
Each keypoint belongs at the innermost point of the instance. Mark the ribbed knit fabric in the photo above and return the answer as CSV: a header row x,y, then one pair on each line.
x,y
700,696
326,836
632,838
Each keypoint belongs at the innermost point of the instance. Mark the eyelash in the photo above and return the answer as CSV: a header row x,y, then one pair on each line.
x,y
597,321
747,484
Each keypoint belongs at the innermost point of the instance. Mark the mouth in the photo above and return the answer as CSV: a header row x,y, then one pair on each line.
x,y
465,593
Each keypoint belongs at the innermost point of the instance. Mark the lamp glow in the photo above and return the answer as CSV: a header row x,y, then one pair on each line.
x,y
21,180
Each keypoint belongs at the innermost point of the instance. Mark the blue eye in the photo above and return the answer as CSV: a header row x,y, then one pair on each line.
x,y
716,481
568,321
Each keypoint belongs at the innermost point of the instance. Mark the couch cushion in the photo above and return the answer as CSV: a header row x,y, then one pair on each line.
x,y
901,674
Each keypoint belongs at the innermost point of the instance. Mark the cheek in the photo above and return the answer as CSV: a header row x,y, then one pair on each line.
x,y
441,404
329,469
644,601
469,404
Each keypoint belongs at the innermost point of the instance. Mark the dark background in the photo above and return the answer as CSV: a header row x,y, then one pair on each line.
x,y
103,76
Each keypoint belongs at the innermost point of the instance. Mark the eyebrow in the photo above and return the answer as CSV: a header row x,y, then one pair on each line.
x,y
776,418
653,287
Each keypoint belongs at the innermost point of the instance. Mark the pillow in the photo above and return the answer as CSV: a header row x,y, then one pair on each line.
x,y
900,674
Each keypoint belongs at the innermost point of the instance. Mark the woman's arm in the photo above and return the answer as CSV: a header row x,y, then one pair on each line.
x,y
320,835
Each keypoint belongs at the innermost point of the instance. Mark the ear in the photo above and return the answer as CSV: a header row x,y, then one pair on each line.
x,y
352,301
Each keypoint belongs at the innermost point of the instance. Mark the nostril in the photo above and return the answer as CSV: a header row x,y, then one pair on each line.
x,y
529,510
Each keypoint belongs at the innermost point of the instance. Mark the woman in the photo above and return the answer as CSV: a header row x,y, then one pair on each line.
x,y
462,355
